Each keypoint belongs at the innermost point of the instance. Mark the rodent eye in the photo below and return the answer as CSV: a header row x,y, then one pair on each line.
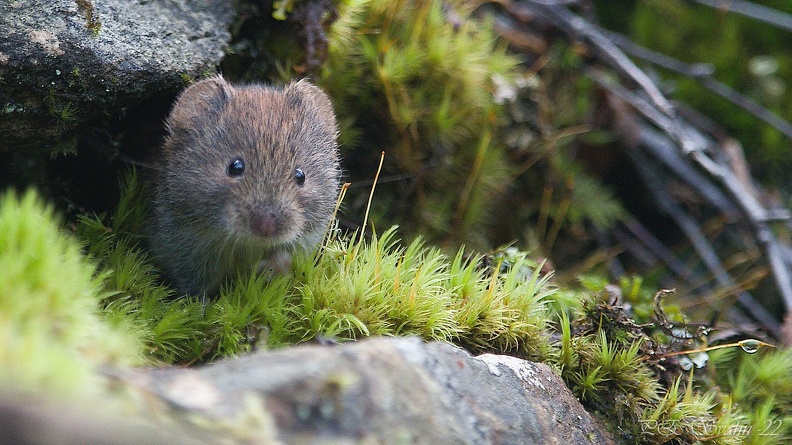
x,y
299,176
236,168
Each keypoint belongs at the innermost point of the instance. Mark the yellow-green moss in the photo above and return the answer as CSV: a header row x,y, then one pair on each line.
x,y
52,336
53,339
348,290
416,79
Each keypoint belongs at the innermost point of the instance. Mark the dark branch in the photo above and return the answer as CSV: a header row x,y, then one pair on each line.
x,y
684,149
749,9
703,73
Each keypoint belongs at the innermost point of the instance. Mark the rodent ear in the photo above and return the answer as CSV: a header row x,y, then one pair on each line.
x,y
198,101
319,100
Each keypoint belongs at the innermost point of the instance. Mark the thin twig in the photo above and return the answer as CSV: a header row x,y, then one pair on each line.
x,y
703,73
749,9
699,242
663,150
657,248
580,29
371,196
753,211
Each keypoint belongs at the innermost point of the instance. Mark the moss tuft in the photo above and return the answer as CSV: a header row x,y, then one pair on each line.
x,y
52,338
51,334
349,289
416,79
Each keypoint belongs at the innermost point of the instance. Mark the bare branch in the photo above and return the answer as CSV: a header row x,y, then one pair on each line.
x,y
658,250
699,242
579,29
704,74
749,9
754,212
681,147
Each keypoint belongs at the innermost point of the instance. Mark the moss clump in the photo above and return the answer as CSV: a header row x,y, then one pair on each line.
x,y
651,391
348,290
613,377
52,336
417,80
761,386
281,8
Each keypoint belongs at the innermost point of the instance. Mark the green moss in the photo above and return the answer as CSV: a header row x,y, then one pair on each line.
x,y
281,8
65,112
52,336
92,22
614,378
410,81
635,374
348,290
761,385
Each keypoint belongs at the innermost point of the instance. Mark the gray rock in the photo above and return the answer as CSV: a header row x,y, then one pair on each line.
x,y
378,391
27,420
65,64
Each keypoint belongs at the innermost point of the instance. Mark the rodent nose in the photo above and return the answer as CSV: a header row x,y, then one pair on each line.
x,y
266,223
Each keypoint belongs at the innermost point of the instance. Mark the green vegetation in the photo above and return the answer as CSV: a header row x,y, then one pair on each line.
x,y
461,124
350,289
281,8
624,370
747,55
92,22
424,95
470,137
761,388
52,332
64,112
53,337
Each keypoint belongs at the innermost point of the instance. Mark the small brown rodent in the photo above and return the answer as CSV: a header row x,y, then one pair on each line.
x,y
249,173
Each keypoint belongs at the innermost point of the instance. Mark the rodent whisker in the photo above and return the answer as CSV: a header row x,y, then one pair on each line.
x,y
383,180
137,163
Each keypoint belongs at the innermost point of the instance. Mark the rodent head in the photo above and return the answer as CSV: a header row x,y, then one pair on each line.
x,y
252,164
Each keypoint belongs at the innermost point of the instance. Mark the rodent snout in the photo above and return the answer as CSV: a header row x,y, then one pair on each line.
x,y
267,223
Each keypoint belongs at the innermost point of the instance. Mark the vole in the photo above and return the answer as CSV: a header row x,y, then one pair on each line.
x,y
249,173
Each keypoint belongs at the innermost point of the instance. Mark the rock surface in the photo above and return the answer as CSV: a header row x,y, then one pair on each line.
x,y
383,391
65,64
26,420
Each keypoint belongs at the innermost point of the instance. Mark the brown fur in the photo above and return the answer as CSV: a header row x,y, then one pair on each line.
x,y
208,225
